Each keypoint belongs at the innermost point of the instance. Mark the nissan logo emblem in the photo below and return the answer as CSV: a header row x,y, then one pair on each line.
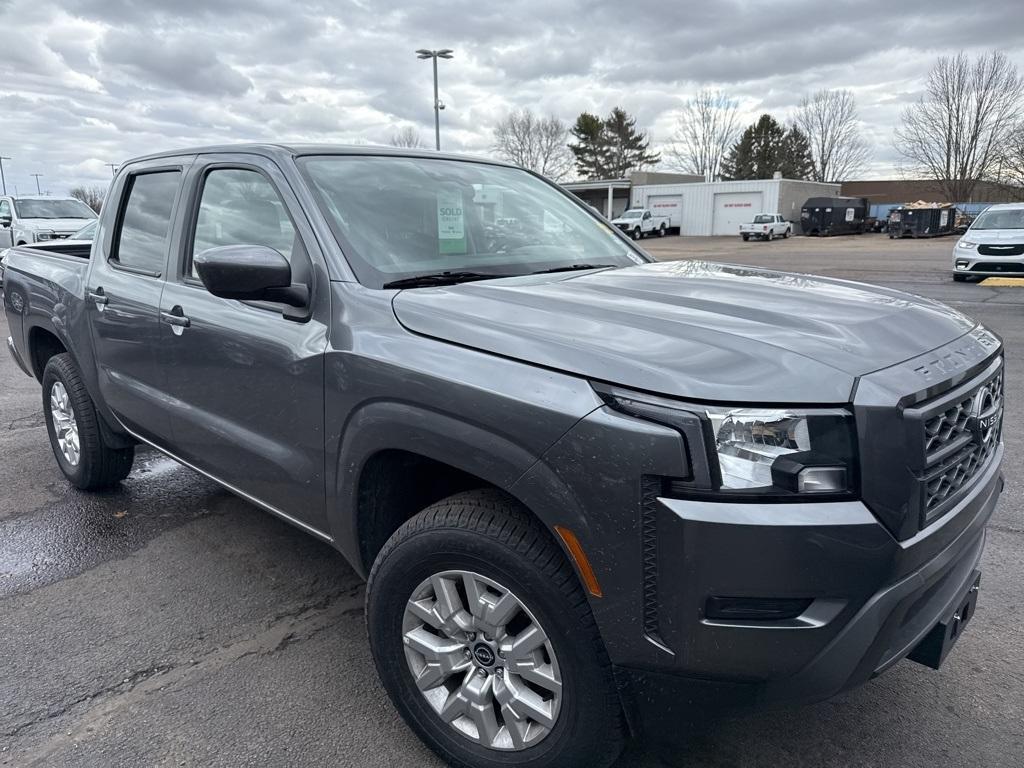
x,y
985,415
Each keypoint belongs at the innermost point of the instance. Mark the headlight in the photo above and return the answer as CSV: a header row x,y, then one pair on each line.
x,y
44,234
754,452
966,245
763,450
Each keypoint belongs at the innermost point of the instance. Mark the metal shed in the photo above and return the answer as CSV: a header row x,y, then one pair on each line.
x,y
719,207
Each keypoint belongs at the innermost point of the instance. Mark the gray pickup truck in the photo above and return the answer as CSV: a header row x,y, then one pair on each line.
x,y
592,494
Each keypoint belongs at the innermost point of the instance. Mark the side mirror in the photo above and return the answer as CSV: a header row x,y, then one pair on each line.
x,y
5,221
249,273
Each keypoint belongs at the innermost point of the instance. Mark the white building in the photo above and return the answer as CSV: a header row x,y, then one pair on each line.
x,y
707,208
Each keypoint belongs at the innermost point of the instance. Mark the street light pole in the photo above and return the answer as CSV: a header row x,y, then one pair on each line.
x,y
444,53
37,175
3,181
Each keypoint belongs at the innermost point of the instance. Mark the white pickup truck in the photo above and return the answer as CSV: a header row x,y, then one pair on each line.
x,y
637,222
766,226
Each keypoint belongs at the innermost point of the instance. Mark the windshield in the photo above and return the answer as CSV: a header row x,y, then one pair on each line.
x,y
762,219
401,217
1009,218
631,215
88,232
53,209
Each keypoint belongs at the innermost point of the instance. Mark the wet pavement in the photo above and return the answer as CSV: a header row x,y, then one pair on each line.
x,y
171,623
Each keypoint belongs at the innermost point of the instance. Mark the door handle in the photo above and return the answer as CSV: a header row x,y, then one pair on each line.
x,y
178,322
99,297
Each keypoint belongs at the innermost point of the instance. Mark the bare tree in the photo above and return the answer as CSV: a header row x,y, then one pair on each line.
x,y
91,196
829,120
956,133
706,128
534,142
1010,166
407,137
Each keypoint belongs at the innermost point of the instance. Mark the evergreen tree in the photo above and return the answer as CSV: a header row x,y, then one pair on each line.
x,y
627,147
797,160
590,150
766,147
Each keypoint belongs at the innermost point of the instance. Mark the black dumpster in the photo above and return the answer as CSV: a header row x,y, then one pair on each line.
x,y
824,216
922,220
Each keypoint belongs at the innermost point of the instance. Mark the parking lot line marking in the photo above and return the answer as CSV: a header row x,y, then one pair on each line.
x,y
1008,282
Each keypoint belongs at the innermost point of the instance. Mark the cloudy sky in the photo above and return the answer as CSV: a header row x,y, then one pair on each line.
x,y
89,82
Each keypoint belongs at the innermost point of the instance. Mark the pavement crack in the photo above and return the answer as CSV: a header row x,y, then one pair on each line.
x,y
29,421
124,685
97,709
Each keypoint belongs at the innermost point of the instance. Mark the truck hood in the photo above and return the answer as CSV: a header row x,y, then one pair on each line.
x,y
691,329
57,225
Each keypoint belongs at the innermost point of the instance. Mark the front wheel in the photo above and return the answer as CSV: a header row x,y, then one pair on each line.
x,y
73,426
485,642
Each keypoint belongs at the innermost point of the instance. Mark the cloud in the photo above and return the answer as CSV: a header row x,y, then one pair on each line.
x,y
91,82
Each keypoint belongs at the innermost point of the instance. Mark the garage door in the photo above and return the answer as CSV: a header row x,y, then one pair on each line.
x,y
667,205
733,209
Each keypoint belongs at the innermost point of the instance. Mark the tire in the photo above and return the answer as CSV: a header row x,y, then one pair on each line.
x,y
786,234
746,238
959,278
637,234
771,235
96,465
484,535
661,231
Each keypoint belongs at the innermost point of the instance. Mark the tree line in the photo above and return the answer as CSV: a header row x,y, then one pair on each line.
x,y
966,127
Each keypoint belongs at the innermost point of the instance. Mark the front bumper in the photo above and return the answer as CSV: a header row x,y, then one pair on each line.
x,y
875,600
970,262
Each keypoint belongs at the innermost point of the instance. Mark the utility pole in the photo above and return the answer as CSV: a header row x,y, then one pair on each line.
x,y
113,168
3,181
37,175
444,53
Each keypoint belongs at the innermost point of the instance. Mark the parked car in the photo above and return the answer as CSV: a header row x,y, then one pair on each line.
x,y
582,484
992,245
639,222
766,226
25,220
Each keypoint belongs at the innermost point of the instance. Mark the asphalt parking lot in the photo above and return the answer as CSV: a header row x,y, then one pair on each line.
x,y
170,623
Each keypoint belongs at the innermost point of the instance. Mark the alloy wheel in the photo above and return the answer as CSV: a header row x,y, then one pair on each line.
x,y
482,660
65,427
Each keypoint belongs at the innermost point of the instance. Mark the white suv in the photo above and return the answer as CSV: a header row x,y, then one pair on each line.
x,y
993,245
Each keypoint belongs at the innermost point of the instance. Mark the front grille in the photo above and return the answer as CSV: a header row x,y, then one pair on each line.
x,y
959,441
1001,250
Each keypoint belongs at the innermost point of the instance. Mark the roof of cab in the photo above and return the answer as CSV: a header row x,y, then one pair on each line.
x,y
279,151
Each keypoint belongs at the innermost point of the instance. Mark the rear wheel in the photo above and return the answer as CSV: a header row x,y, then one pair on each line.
x,y
771,235
485,642
661,231
73,426
637,234
745,238
786,234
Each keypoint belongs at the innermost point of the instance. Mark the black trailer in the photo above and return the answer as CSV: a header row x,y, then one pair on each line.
x,y
922,220
824,216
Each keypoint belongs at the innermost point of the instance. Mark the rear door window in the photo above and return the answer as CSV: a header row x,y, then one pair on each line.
x,y
145,229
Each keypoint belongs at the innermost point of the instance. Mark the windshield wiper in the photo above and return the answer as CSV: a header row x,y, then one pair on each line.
x,y
572,268
441,278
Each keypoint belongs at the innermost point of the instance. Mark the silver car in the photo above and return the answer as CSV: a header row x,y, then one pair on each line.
x,y
993,245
